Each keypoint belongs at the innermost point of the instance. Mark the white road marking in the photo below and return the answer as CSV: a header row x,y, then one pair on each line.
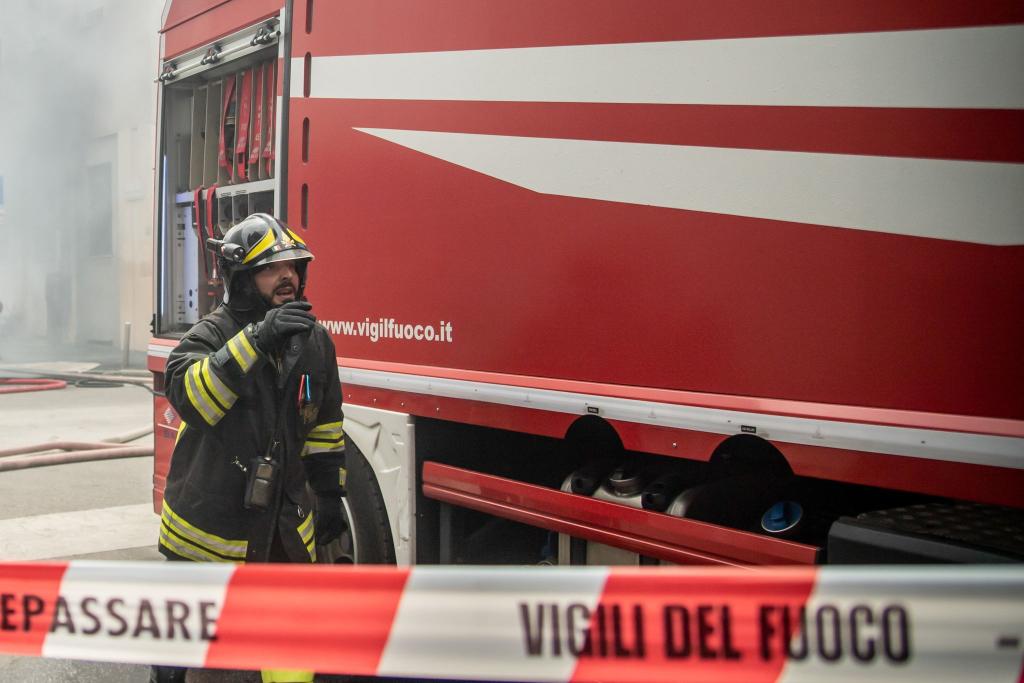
x,y
66,534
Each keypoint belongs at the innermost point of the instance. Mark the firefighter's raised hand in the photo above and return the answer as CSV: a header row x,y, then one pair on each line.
x,y
280,323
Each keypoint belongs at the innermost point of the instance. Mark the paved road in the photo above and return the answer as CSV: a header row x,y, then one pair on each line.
x,y
99,510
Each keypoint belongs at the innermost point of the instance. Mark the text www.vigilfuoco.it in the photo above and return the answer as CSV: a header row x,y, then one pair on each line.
x,y
389,328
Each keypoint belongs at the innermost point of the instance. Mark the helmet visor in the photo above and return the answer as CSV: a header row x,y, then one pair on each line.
x,y
293,254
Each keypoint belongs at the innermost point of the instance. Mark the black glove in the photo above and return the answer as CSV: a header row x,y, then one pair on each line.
x,y
282,322
329,522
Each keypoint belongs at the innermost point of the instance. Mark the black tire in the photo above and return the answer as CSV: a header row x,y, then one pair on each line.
x,y
367,517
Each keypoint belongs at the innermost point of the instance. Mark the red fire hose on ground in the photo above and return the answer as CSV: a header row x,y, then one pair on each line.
x,y
70,451
10,385
73,453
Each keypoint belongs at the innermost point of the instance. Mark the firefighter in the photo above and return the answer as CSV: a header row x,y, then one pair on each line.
x,y
256,385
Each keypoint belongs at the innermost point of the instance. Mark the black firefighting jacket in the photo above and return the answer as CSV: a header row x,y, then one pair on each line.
x,y
232,398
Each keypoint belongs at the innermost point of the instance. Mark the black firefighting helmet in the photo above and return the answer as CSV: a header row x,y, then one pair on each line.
x,y
256,241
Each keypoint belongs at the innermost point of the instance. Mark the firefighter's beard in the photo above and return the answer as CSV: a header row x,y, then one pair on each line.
x,y
249,303
283,292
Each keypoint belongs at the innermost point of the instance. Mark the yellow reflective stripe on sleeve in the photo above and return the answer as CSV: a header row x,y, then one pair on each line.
x,y
342,476
199,399
204,391
243,339
233,348
327,428
227,548
225,397
242,350
181,430
311,447
324,438
265,243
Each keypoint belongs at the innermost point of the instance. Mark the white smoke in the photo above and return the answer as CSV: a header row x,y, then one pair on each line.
x,y
77,115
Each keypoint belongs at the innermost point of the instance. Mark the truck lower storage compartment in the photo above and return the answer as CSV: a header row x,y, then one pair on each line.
x,y
653,534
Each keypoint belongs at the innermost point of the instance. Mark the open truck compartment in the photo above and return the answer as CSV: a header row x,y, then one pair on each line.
x,y
218,146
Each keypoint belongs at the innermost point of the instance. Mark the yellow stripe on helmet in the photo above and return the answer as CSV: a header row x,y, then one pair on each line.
x,y
265,243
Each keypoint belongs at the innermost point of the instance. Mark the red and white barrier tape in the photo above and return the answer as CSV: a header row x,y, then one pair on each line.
x,y
544,624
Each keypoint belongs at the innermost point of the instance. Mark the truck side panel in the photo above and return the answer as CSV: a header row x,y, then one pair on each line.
x,y
729,240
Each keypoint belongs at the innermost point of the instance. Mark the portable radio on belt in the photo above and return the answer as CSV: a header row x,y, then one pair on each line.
x,y
259,487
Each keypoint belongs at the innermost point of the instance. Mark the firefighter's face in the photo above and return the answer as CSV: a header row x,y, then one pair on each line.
x,y
277,282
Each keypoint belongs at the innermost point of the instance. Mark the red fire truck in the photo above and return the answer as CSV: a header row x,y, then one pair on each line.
x,y
611,282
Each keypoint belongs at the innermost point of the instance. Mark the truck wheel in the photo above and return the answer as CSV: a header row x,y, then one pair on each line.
x,y
368,539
